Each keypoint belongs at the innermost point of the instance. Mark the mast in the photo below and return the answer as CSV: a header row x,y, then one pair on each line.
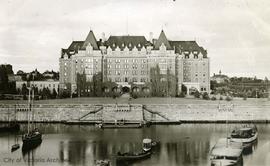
x,y
29,107
32,116
33,97
15,114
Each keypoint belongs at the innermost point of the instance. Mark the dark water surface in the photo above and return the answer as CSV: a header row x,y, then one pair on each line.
x,y
185,145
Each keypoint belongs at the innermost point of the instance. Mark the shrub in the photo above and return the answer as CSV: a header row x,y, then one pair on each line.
x,y
197,94
221,98
182,95
213,98
205,96
228,98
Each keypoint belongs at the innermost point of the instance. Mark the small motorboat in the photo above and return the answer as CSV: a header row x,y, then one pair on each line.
x,y
226,153
148,144
15,147
103,163
132,156
245,135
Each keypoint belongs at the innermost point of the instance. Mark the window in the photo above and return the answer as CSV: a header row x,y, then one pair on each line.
x,y
134,66
117,72
134,72
142,66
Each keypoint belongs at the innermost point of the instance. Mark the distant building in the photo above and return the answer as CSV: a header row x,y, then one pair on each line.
x,y
220,78
14,78
128,59
48,74
50,84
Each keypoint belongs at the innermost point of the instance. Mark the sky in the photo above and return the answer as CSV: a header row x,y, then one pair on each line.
x,y
236,33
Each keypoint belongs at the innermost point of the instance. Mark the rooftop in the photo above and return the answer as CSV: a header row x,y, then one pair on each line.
x,y
133,41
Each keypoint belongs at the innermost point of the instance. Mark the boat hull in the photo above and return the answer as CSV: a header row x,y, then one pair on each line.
x,y
132,157
246,142
31,142
108,126
225,162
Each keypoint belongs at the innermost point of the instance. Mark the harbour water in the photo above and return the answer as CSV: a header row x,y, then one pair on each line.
x,y
185,144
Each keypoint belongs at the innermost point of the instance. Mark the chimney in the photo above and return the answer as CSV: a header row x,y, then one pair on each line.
x,y
103,37
151,37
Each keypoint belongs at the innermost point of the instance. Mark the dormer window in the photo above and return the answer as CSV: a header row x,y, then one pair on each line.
x,y
129,45
113,45
139,45
123,45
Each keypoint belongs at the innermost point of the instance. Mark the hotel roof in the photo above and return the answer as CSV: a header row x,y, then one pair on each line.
x,y
133,41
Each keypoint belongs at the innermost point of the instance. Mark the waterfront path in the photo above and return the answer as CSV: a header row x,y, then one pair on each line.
x,y
173,109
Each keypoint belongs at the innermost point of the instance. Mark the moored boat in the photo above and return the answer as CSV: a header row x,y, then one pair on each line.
x,y
33,137
120,126
132,156
226,153
15,147
245,135
103,163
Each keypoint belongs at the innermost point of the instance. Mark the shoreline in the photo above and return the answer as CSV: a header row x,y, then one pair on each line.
x,y
178,111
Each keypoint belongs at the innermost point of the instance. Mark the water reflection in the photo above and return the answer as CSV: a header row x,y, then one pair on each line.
x,y
187,144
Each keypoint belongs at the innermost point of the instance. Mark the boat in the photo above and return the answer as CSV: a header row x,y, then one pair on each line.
x,y
132,156
15,147
33,137
226,153
245,135
16,144
103,163
120,125
148,144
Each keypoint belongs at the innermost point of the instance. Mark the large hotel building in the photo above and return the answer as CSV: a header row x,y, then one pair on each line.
x,y
128,59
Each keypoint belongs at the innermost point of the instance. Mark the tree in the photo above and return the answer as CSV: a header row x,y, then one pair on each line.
x,y
171,83
213,85
54,93
205,96
97,84
184,89
197,94
155,78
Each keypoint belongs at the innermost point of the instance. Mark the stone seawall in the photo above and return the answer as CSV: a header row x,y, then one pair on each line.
x,y
137,112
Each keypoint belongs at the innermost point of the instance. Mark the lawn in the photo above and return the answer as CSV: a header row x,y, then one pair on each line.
x,y
152,100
